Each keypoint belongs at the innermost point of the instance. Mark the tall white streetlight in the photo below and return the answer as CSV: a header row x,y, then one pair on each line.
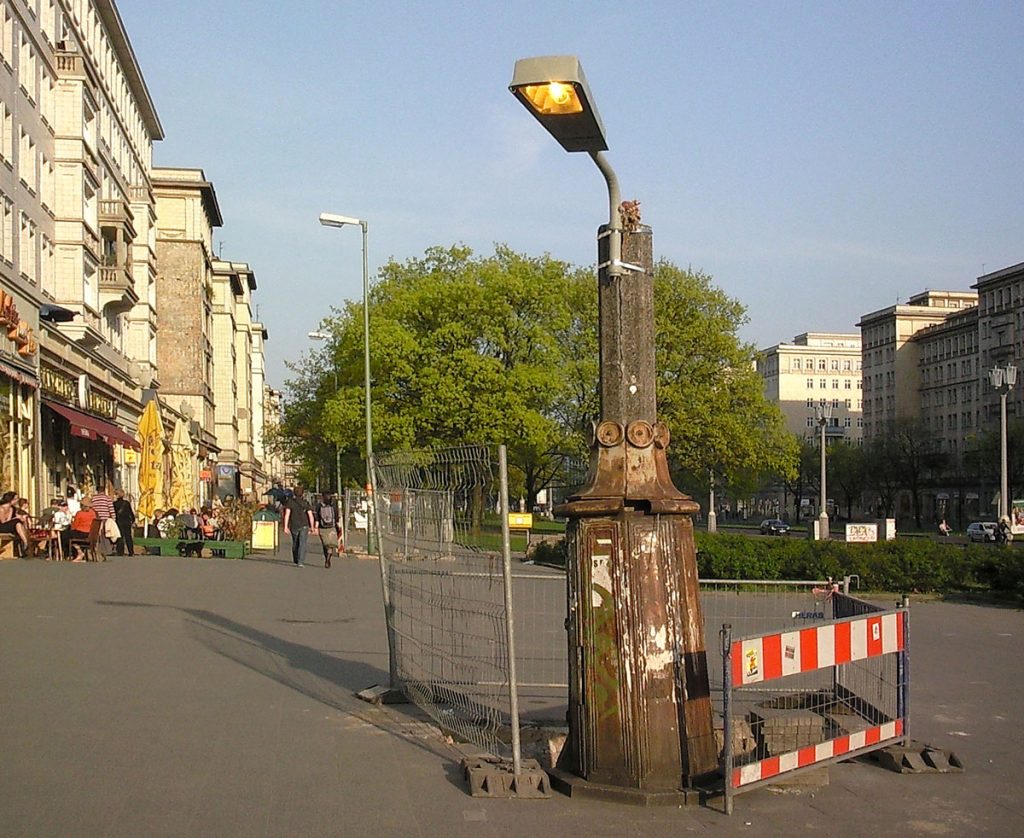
x,y
319,335
823,413
1003,379
328,219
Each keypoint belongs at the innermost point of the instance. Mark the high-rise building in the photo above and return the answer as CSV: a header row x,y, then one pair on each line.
x,y
817,369
892,359
77,127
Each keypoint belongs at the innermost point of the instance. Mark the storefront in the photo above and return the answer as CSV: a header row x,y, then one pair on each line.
x,y
82,449
19,387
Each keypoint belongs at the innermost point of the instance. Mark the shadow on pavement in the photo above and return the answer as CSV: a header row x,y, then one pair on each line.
x,y
325,678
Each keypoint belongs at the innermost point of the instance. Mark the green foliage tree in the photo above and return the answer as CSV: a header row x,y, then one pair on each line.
x,y
503,348
709,392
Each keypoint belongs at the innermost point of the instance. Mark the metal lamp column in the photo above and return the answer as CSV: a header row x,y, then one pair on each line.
x,y
640,722
328,219
1003,379
823,413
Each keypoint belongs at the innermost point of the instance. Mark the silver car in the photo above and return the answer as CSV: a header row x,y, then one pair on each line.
x,y
982,531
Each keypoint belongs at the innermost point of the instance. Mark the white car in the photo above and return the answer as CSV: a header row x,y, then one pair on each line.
x,y
982,531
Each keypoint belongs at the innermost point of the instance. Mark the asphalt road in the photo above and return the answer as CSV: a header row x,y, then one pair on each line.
x,y
167,696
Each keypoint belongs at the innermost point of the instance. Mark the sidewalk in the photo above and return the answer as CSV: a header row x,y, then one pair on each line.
x,y
167,696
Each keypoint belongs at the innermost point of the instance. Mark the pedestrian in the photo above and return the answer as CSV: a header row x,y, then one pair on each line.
x,y
330,527
298,523
125,517
1004,535
944,528
103,506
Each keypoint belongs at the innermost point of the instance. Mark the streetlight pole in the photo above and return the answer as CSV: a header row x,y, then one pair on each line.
x,y
637,663
1003,379
328,219
823,412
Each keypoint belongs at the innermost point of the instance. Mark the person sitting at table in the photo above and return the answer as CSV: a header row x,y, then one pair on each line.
x,y
12,520
191,527
210,525
81,526
60,523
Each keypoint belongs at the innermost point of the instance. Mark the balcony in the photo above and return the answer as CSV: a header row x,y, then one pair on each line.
x,y
117,215
117,290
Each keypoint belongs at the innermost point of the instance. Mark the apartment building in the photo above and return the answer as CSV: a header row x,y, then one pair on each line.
x,y
93,328
186,214
817,369
78,127
892,362
238,341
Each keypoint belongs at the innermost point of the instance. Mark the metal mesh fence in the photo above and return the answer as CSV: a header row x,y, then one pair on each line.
x,y
440,536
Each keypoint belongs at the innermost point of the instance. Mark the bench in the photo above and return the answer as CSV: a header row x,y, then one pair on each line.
x,y
221,549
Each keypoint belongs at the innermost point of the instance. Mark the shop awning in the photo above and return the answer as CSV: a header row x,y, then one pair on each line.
x,y
90,427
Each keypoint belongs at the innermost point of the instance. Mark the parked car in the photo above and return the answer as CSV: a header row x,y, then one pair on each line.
x,y
773,526
982,531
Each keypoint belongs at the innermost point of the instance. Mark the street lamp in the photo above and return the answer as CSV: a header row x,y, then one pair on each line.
x,y
823,413
328,219
1003,379
319,335
630,531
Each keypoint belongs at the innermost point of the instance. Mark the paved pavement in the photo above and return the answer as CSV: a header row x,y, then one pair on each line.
x,y
167,696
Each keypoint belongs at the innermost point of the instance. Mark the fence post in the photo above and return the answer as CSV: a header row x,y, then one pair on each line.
x,y
727,756
506,565
371,510
904,657
346,509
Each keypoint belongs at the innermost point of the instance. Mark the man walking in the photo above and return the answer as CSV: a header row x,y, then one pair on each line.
x,y
329,526
298,521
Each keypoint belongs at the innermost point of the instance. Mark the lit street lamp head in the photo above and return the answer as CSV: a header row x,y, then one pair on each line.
x,y
329,219
555,91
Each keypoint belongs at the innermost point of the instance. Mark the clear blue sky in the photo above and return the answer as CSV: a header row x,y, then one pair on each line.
x,y
820,160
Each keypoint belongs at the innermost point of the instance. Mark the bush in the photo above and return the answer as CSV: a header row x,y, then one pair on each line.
x,y
911,565
915,565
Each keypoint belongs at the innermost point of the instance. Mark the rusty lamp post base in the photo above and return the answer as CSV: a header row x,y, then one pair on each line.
x,y
640,722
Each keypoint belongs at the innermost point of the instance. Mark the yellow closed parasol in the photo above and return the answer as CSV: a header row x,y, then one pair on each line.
x,y
182,495
151,461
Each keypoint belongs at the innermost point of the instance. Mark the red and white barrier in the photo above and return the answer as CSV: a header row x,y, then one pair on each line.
x,y
767,768
804,650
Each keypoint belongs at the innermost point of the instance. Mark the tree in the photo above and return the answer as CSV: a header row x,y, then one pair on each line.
x,y
709,392
503,348
904,456
846,469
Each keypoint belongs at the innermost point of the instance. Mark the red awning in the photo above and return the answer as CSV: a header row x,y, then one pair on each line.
x,y
90,427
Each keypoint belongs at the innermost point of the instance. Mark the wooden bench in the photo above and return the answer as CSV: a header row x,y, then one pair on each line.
x,y
8,546
220,549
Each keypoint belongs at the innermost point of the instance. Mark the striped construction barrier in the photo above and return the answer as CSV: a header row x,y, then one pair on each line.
x,y
773,656
841,746
755,661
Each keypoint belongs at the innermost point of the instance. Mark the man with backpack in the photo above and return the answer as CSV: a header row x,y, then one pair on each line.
x,y
330,527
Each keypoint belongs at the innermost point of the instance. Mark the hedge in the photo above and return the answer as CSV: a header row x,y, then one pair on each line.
x,y
904,565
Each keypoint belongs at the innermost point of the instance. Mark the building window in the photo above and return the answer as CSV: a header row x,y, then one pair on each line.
x,y
796,363
835,383
810,383
847,384
848,403
810,402
847,365
835,364
847,422
823,383
835,404
810,421
860,421
821,364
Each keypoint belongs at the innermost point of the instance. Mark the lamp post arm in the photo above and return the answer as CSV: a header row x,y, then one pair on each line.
x,y
614,220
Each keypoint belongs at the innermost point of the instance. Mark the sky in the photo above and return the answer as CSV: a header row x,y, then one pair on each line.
x,y
820,160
